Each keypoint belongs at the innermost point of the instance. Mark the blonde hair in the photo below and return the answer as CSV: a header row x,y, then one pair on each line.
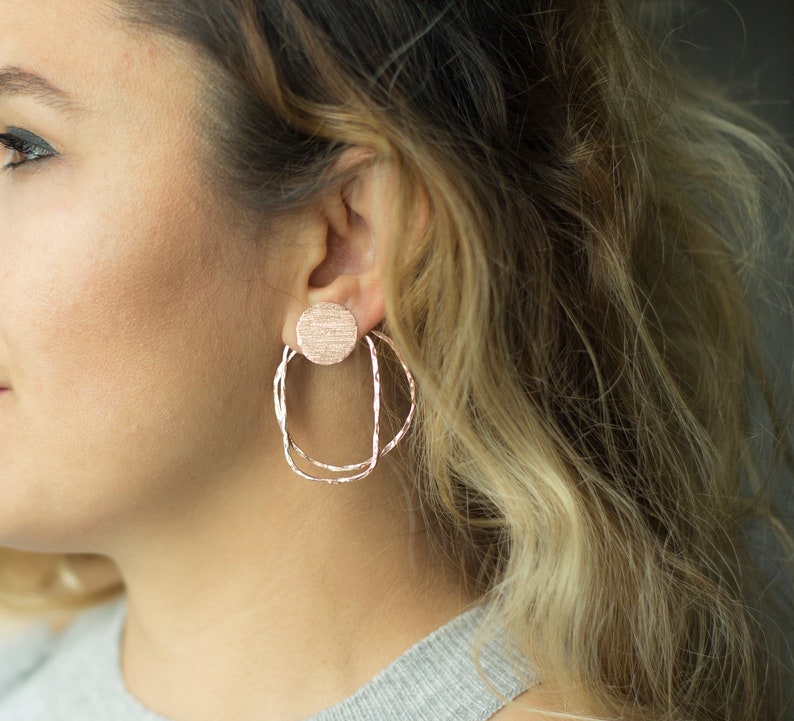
x,y
577,313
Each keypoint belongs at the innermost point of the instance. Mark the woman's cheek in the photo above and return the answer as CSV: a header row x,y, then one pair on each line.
x,y
101,329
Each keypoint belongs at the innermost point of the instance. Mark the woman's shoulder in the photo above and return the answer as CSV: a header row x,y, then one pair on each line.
x,y
22,651
535,704
41,660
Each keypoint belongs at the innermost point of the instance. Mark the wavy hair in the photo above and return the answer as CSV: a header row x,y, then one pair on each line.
x,y
578,313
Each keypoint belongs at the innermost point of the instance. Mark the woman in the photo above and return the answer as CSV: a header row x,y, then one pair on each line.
x,y
526,221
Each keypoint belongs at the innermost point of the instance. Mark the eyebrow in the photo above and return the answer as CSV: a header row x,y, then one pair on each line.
x,y
15,81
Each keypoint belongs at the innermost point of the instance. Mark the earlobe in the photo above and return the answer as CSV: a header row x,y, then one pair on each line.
x,y
366,304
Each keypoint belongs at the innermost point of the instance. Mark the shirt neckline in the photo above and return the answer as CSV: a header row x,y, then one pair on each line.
x,y
435,679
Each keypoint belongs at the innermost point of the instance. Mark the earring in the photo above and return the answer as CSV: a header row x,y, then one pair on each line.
x,y
327,334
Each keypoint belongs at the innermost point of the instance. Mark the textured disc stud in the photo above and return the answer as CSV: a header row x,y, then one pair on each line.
x,y
327,333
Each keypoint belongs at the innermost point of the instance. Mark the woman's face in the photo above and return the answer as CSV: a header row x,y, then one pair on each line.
x,y
138,329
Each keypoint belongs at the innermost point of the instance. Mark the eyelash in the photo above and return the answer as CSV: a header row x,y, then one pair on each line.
x,y
34,149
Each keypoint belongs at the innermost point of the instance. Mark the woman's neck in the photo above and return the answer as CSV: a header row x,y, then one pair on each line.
x,y
278,604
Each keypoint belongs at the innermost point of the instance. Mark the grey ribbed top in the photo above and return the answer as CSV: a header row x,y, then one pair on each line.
x,y
76,676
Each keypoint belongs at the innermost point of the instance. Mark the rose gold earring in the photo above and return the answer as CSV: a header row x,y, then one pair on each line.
x,y
327,334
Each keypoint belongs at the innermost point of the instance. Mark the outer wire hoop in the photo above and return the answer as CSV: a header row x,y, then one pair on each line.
x,y
359,470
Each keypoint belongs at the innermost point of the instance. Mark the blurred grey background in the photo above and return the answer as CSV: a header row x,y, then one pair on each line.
x,y
749,45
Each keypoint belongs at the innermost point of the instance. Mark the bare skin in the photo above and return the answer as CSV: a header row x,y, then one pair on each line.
x,y
139,331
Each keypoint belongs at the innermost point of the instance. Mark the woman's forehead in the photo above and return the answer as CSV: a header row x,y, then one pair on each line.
x,y
78,56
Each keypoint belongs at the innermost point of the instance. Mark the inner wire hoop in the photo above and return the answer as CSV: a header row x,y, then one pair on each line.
x,y
354,471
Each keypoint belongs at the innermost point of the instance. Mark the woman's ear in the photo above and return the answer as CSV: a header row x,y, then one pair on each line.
x,y
349,233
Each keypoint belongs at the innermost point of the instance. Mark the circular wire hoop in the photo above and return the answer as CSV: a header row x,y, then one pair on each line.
x,y
354,471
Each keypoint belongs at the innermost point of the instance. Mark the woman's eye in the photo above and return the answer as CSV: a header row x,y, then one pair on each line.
x,y
24,148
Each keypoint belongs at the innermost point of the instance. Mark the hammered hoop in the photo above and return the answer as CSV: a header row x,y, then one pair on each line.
x,y
355,471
